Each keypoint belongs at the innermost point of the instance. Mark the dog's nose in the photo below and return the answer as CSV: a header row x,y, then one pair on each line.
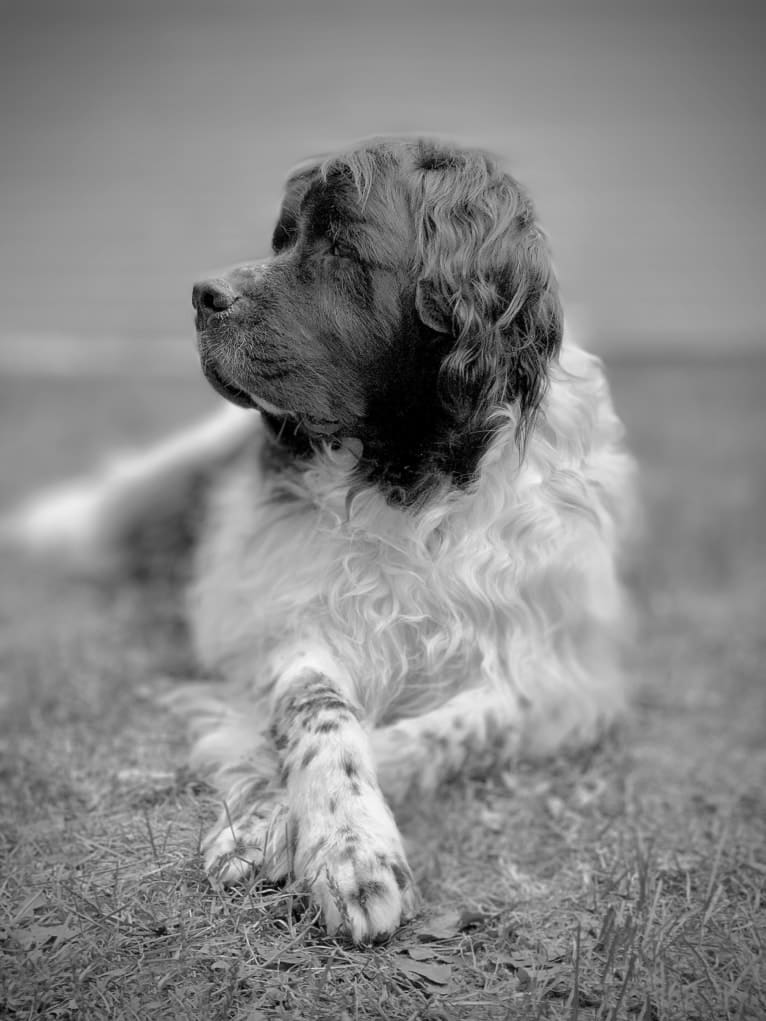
x,y
210,296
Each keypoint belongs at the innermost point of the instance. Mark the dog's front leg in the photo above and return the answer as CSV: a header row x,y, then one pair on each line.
x,y
344,843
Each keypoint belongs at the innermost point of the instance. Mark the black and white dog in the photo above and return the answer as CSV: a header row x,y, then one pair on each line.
x,y
408,565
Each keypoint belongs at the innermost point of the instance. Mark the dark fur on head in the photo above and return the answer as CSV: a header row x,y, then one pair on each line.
x,y
443,308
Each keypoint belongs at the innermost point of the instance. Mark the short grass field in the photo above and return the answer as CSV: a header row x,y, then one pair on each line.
x,y
628,882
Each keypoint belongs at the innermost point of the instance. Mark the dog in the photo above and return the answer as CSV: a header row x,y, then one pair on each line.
x,y
417,497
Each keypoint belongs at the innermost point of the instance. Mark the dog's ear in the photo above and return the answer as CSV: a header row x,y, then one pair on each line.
x,y
487,280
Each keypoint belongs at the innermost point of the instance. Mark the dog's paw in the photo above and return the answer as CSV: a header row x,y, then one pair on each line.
x,y
356,873
353,867
238,847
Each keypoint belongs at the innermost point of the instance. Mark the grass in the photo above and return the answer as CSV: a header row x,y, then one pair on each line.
x,y
629,882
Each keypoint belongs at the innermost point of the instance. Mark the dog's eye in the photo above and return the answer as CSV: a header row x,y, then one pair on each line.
x,y
339,250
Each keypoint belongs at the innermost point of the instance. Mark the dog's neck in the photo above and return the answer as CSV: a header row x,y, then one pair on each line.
x,y
406,466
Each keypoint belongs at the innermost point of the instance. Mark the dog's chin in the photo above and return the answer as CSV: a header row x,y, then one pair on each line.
x,y
236,394
318,428
227,389
314,426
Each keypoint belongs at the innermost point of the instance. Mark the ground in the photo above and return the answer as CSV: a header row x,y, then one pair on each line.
x,y
629,882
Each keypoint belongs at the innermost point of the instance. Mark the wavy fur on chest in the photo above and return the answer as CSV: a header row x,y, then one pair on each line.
x,y
408,570
420,603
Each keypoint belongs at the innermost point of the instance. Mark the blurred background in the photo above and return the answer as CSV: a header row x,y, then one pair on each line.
x,y
145,144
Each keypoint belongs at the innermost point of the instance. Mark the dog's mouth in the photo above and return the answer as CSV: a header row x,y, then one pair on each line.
x,y
313,425
225,387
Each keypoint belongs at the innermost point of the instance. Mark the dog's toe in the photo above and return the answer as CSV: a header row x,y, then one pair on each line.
x,y
364,888
237,848
367,910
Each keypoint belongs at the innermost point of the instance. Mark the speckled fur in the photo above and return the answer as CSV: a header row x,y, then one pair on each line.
x,y
371,652
373,639
486,627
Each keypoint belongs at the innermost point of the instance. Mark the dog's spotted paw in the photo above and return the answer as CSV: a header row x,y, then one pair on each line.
x,y
357,874
256,842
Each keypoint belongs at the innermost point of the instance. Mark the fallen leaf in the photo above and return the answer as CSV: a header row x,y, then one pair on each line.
x,y
507,960
442,926
436,974
421,953
285,961
40,936
449,924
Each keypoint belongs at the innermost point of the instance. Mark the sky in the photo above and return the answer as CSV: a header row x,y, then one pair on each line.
x,y
144,146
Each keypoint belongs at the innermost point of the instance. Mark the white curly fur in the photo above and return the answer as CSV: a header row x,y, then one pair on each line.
x,y
510,586
385,610
485,626
370,650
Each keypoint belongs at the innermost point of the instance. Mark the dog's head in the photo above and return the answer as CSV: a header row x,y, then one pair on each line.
x,y
409,296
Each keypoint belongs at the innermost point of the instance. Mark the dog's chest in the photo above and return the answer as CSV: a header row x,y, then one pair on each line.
x,y
273,568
